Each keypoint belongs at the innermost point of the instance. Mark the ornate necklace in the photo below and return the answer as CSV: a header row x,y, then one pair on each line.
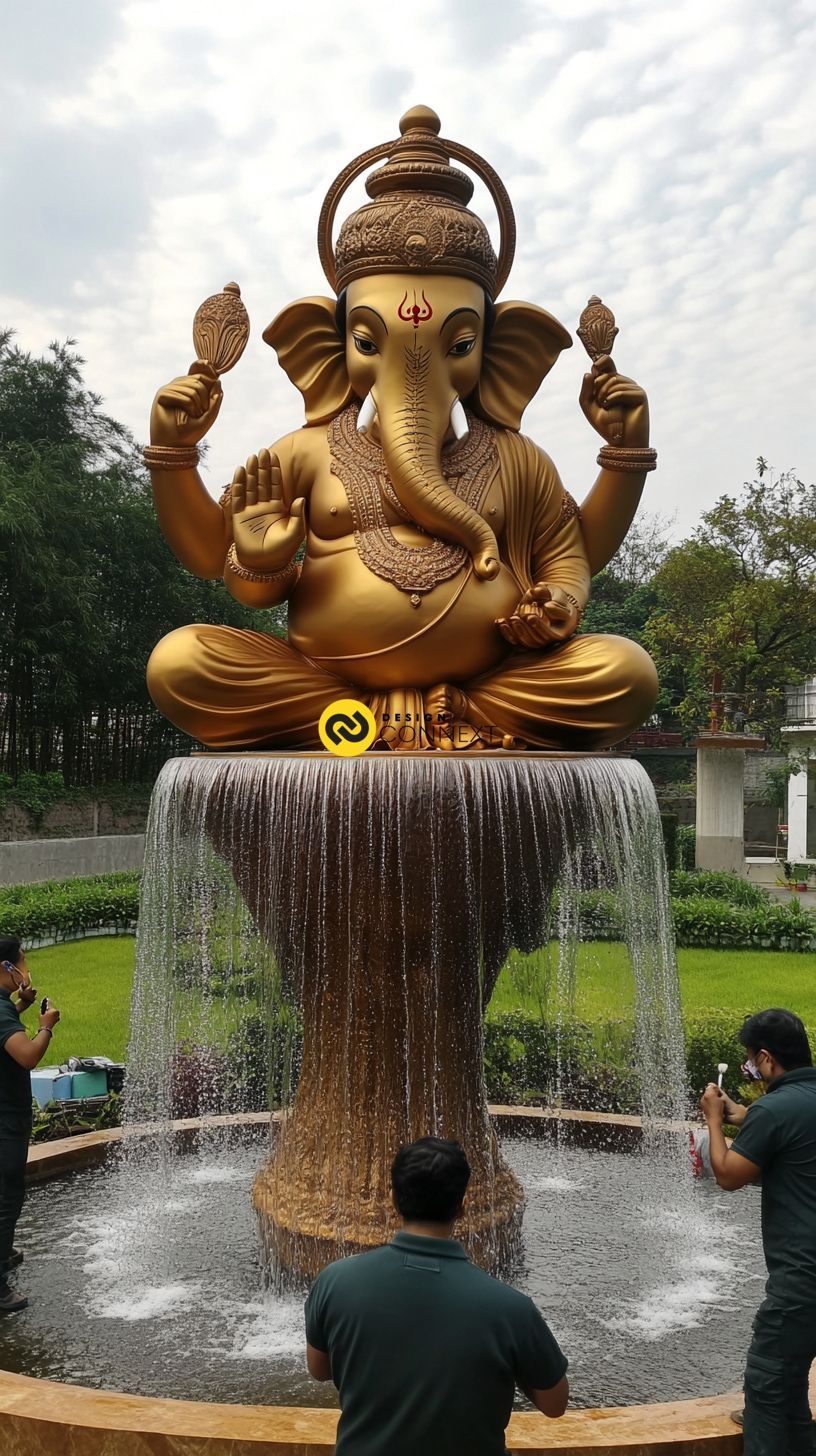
x,y
468,466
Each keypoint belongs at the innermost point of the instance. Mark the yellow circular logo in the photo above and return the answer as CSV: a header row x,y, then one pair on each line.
x,y
347,727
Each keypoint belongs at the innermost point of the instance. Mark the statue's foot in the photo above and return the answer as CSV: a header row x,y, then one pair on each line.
x,y
511,744
446,724
451,728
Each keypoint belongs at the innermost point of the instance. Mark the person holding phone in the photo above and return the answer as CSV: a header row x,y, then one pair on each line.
x,y
19,1055
776,1144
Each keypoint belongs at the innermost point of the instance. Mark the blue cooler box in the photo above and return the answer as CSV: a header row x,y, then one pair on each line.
x,y
49,1084
89,1084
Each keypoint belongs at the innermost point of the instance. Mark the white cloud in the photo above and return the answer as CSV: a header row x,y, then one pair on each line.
x,y
657,154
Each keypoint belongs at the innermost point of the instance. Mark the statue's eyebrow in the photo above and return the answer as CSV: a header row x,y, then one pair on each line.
x,y
461,310
366,308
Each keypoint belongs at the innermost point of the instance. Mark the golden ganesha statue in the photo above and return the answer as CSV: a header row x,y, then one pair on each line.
x,y
445,567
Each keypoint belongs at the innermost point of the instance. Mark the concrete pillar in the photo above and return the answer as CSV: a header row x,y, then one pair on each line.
x,y
720,809
798,815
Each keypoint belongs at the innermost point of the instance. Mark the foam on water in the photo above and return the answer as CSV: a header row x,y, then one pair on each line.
x,y
213,1174
151,1304
271,1330
670,1307
555,1184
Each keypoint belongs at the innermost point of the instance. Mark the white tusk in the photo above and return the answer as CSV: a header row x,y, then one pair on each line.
x,y
368,411
458,419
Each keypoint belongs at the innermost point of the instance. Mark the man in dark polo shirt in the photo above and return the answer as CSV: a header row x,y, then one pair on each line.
x,y
776,1141
19,1055
426,1349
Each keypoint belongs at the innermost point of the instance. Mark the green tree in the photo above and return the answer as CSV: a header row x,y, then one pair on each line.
x,y
87,584
738,598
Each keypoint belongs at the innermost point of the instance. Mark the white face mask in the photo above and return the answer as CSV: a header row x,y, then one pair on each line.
x,y
751,1070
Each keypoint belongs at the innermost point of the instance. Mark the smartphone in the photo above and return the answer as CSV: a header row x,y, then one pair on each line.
x,y
44,1004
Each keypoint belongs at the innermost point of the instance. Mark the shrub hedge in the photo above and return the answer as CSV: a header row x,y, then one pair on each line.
x,y
710,909
716,885
595,1067
60,909
706,922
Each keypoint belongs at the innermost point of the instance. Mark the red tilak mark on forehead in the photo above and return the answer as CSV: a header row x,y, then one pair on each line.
x,y
415,313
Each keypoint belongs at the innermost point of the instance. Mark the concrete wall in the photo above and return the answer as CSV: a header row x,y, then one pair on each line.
x,y
23,862
74,818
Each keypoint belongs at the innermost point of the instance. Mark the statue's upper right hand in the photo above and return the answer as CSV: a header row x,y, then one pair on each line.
x,y
184,410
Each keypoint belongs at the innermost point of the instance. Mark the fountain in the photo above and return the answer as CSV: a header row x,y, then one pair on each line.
x,y
426,870
321,931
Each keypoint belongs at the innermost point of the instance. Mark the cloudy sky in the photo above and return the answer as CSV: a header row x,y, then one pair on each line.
x,y
659,154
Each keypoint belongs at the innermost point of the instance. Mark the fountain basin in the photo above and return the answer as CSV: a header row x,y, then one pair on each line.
x,y
43,1416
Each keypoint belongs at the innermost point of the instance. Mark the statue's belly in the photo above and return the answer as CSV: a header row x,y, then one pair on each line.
x,y
366,631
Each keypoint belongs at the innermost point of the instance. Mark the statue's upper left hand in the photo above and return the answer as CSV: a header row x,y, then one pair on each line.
x,y
184,410
615,406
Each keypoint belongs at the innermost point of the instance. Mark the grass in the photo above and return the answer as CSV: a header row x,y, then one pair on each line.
x,y
708,979
90,982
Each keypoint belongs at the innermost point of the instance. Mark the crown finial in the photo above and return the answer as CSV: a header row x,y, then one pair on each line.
x,y
420,118
418,219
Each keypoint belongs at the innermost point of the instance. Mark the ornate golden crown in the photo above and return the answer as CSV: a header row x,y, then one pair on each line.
x,y
418,219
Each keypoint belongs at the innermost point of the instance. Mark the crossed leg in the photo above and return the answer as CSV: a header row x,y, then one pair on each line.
x,y
231,688
588,694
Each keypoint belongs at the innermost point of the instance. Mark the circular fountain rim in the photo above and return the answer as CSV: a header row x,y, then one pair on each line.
x,y
428,755
43,1411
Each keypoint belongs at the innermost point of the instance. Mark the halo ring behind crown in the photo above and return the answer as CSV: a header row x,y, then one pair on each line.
x,y
472,160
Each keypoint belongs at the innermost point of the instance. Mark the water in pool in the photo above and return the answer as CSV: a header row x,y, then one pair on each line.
x,y
148,1279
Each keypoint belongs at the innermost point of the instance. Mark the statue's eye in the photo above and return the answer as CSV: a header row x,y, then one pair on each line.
x,y
462,347
364,345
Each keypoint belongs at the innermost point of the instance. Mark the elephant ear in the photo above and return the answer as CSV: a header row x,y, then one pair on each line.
x,y
524,343
311,351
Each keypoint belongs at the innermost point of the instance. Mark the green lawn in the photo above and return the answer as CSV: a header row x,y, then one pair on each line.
x,y
744,979
90,980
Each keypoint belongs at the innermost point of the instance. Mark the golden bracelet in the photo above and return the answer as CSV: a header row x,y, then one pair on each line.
x,y
637,460
246,573
170,457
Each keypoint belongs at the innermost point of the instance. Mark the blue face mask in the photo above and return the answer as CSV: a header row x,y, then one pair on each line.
x,y
751,1071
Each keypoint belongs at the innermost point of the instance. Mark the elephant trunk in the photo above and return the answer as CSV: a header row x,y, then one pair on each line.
x,y
412,431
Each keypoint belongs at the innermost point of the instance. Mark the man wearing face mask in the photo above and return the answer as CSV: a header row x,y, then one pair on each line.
x,y
19,1055
776,1142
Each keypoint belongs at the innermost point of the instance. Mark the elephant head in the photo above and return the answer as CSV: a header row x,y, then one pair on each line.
x,y
412,348
414,334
